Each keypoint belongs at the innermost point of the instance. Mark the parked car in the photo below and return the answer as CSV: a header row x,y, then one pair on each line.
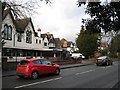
x,y
34,67
77,56
104,60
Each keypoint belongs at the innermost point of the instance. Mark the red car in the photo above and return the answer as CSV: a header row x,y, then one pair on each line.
x,y
34,67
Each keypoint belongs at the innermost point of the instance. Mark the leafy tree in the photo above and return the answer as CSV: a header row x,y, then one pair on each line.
x,y
115,44
87,42
105,15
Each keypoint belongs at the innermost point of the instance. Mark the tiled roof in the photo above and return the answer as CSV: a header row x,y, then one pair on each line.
x,y
21,24
43,36
69,43
46,35
57,43
50,37
6,12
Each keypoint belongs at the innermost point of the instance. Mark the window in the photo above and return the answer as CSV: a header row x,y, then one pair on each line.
x,y
45,62
36,41
23,62
28,37
19,37
45,44
36,62
39,41
7,32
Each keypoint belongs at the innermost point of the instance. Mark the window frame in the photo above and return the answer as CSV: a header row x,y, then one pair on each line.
x,y
19,37
7,32
28,37
36,63
36,41
46,63
39,41
45,44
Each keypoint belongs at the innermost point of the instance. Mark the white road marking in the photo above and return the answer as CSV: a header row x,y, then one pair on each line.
x,y
85,72
102,67
106,67
38,82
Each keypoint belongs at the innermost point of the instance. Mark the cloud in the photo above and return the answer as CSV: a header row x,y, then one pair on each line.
x,y
62,18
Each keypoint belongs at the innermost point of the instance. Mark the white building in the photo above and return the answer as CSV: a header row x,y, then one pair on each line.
x,y
21,38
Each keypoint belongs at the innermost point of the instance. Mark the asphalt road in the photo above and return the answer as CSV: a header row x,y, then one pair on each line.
x,y
91,76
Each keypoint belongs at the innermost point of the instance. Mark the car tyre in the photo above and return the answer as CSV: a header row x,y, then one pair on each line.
x,y
57,71
97,64
111,63
34,75
20,76
107,63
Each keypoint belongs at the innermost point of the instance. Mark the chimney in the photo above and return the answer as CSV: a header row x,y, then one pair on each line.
x,y
39,32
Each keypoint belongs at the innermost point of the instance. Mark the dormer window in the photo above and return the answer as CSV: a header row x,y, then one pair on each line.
x,y
28,37
45,44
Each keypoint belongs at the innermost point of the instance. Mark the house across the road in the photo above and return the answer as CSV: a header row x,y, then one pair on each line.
x,y
21,39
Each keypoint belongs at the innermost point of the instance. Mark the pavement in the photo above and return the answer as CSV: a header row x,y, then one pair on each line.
x,y
84,63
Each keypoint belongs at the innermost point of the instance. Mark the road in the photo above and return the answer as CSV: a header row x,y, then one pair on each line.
x,y
91,76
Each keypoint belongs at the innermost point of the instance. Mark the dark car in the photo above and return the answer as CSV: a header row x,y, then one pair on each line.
x,y
104,60
34,67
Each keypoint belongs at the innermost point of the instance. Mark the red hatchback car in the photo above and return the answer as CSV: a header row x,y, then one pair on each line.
x,y
34,67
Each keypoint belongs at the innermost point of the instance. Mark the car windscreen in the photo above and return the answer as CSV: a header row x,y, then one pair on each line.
x,y
103,57
23,62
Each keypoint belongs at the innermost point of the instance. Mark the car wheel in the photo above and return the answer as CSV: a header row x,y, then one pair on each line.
x,y
97,64
57,71
34,75
20,76
107,63
111,63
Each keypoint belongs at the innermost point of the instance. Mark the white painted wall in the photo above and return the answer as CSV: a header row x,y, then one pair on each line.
x,y
8,21
45,40
37,46
23,45
51,45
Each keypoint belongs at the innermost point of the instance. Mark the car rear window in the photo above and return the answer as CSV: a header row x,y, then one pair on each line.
x,y
23,62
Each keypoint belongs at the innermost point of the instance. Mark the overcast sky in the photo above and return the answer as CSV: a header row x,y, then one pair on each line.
x,y
62,18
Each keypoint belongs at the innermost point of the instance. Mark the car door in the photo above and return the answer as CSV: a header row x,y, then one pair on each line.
x,y
37,66
109,60
48,68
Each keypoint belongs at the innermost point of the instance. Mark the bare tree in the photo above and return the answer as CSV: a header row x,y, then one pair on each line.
x,y
22,8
